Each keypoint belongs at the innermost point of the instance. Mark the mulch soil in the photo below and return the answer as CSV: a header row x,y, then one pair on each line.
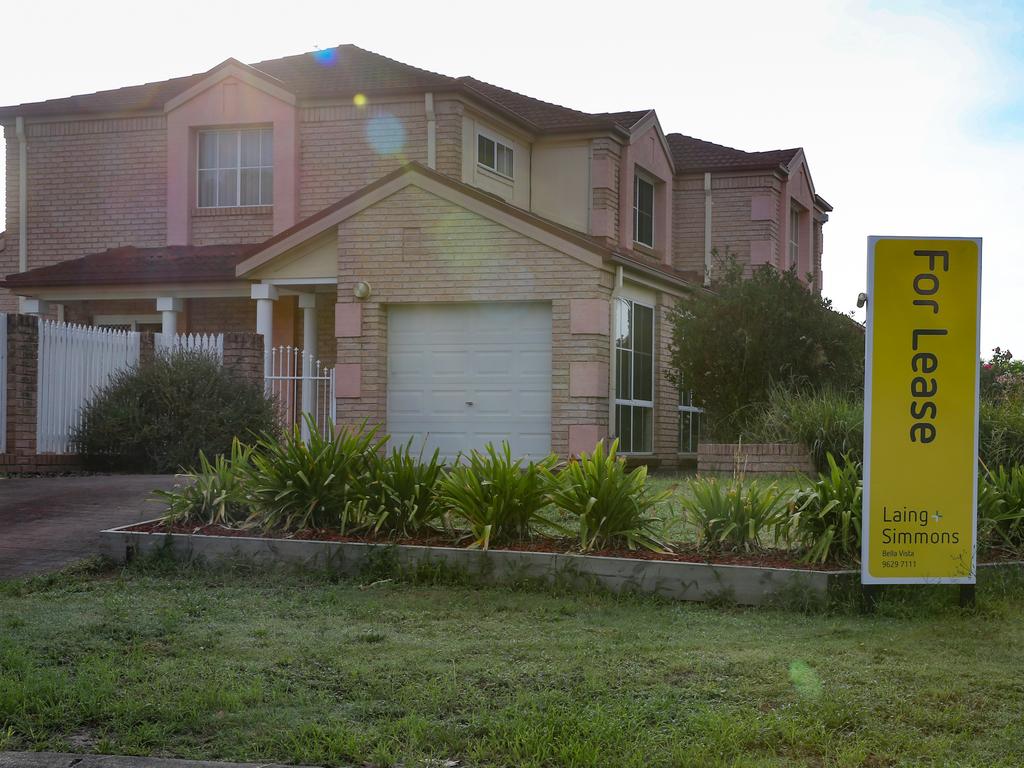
x,y
681,553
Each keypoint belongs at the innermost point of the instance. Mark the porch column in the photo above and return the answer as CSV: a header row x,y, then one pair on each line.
x,y
307,303
265,296
169,307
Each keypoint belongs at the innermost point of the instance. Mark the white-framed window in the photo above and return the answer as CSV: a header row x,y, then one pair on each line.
x,y
643,211
495,156
794,237
634,376
235,168
689,423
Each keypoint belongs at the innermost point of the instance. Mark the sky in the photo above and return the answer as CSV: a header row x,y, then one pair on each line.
x,y
911,113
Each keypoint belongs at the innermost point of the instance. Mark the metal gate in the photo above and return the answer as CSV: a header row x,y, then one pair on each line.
x,y
299,384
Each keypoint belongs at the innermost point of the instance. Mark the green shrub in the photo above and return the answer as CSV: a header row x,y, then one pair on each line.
x,y
498,498
828,420
319,483
212,493
404,492
1001,432
612,505
1001,507
828,514
736,514
158,416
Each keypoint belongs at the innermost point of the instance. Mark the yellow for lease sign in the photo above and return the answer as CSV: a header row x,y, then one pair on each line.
x,y
921,411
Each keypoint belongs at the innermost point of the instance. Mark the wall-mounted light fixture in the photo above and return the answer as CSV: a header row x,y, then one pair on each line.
x,y
361,290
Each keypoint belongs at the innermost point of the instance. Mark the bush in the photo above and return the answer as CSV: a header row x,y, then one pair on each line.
x,y
731,345
1001,432
612,504
497,497
403,492
320,483
159,416
1001,507
734,514
828,514
212,494
829,420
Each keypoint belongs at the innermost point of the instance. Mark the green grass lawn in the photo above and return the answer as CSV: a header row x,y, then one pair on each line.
x,y
294,667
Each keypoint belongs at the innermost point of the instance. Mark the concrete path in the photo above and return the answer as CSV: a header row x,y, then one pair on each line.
x,y
68,760
47,523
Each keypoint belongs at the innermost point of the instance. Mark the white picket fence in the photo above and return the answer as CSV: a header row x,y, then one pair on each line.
x,y
3,383
299,384
75,361
209,343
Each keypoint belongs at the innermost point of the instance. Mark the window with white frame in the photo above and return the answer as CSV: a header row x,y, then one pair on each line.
x,y
794,237
235,168
643,211
634,376
689,422
494,156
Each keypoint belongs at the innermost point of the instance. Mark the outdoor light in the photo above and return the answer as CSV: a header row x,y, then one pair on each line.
x,y
361,290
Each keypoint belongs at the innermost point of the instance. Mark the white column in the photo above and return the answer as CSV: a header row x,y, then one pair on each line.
x,y
169,307
265,296
307,303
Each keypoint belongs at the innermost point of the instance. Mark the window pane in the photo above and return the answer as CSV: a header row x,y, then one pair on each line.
x,y
250,149
642,377
207,189
267,150
207,150
227,149
504,160
267,186
227,187
624,427
485,151
623,375
643,429
643,329
623,324
643,212
250,186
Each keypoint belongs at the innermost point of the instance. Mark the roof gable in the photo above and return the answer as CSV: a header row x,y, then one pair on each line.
x,y
236,69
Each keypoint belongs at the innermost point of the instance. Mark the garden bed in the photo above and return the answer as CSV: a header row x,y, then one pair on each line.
x,y
684,575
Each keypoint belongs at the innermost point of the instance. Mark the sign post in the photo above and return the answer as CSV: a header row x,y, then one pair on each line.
x,y
920,496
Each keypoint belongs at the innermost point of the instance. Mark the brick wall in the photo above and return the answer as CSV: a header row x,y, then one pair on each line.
x,y
449,137
215,226
605,199
754,459
243,354
343,148
218,315
460,256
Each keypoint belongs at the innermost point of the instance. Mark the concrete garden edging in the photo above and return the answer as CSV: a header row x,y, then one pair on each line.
x,y
746,585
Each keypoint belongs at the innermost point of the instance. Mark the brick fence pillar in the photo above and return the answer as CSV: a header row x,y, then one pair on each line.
x,y
243,354
147,348
22,383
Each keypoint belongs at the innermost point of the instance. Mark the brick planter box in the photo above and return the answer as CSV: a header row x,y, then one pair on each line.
x,y
754,459
743,584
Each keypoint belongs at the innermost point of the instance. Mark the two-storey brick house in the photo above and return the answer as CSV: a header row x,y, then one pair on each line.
x,y
477,264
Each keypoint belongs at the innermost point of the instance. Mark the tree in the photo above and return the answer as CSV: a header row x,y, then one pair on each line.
x,y
731,343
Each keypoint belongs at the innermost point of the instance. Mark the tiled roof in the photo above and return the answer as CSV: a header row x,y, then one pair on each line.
x,y
692,155
628,119
342,71
129,265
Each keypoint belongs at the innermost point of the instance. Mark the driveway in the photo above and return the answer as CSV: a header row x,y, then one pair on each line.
x,y
49,522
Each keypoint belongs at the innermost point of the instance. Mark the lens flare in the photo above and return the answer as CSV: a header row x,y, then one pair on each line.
x,y
327,57
359,100
385,134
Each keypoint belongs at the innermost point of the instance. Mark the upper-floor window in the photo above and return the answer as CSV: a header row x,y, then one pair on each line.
x,y
794,237
494,155
643,211
634,378
236,168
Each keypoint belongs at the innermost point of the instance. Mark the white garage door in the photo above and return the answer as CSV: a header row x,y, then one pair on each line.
x,y
463,375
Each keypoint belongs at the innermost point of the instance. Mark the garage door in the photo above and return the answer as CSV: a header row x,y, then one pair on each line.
x,y
463,375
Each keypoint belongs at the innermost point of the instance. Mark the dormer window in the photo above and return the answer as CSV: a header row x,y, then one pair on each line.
x,y
643,211
235,168
494,156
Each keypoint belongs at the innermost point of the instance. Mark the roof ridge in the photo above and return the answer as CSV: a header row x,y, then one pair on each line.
x,y
354,47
